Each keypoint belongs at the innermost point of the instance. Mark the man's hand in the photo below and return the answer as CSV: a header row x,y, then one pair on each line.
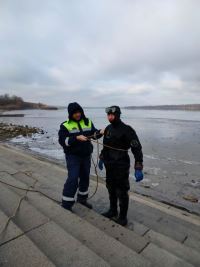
x,y
81,138
102,131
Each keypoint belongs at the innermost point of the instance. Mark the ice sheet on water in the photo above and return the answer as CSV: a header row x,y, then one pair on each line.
x,y
55,153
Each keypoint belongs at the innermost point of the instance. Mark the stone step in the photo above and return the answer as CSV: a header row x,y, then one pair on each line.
x,y
138,213
60,247
152,218
49,180
53,185
163,258
122,234
12,231
130,239
193,243
17,250
108,248
182,225
24,162
22,252
180,250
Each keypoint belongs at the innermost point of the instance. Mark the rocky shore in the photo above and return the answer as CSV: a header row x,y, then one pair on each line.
x,y
8,131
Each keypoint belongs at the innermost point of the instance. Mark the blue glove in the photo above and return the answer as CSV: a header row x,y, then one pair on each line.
x,y
139,175
101,164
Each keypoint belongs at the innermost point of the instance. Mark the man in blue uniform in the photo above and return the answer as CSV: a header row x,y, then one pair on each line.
x,y
73,137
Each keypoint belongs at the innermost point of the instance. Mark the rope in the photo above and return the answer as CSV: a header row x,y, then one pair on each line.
x,y
96,171
18,205
29,190
99,143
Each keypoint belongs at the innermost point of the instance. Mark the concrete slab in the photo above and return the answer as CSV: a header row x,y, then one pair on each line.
x,y
193,243
27,216
11,232
167,226
188,254
162,258
6,167
126,237
63,249
140,215
22,252
156,224
82,231
108,248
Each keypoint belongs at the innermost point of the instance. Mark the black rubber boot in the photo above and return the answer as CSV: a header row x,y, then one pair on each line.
x,y
110,213
67,207
85,203
123,204
122,221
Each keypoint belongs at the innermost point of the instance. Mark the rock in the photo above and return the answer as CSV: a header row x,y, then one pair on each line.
x,y
8,131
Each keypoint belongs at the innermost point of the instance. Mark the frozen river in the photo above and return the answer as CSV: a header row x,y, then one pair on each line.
x,y
170,140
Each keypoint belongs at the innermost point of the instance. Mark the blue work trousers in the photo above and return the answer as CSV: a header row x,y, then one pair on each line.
x,y
78,179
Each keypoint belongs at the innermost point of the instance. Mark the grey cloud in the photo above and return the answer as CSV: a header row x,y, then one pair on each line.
x,y
128,52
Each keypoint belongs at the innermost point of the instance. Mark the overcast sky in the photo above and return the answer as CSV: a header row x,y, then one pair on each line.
x,y
101,52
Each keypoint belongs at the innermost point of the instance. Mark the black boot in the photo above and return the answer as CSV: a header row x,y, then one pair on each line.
x,y
122,221
110,213
66,206
85,203
123,204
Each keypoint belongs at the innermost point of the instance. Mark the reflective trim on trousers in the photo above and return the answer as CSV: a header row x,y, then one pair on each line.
x,y
68,198
83,193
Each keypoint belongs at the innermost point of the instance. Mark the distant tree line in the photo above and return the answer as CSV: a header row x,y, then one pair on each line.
x,y
6,99
14,102
168,107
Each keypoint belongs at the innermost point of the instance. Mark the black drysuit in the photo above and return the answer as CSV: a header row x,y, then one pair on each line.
x,y
117,162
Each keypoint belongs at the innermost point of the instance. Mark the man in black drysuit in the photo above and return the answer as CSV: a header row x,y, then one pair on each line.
x,y
117,163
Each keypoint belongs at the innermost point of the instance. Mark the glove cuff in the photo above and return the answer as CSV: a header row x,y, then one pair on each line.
x,y
139,166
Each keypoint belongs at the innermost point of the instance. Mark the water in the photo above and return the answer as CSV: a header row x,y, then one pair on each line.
x,y
170,140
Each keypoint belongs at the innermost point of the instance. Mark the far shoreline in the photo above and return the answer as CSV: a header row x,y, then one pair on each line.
x,y
186,107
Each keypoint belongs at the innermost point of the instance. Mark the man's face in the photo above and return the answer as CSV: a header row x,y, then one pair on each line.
x,y
76,116
111,117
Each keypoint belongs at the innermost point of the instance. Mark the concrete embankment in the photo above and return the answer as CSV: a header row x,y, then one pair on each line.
x,y
44,234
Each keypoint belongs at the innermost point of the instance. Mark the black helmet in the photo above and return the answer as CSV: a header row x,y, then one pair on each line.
x,y
113,110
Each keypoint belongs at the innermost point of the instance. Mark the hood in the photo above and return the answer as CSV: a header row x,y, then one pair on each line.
x,y
74,107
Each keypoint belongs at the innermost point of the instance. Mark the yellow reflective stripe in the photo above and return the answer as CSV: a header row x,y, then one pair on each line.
x,y
83,126
72,126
